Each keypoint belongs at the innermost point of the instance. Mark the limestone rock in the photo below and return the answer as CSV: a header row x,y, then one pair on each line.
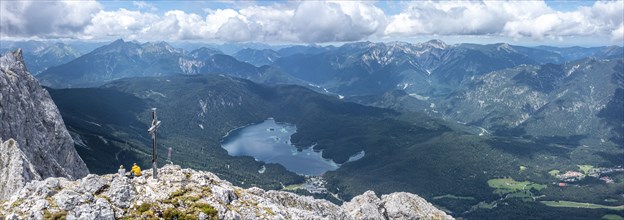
x,y
365,206
15,171
195,194
401,205
92,183
41,146
121,192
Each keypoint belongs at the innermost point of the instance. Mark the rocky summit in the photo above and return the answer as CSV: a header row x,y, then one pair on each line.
x,y
38,144
189,194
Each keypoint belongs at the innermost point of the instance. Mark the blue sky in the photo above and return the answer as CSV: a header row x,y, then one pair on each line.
x,y
561,23
565,5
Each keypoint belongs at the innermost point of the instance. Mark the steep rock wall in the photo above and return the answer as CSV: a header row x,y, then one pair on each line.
x,y
29,117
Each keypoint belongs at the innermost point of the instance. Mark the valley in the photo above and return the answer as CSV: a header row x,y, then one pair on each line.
x,y
476,140
399,147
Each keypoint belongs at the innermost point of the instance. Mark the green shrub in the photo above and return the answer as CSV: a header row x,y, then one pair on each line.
x,y
16,203
173,201
62,215
177,193
171,213
206,190
144,207
207,209
191,198
190,217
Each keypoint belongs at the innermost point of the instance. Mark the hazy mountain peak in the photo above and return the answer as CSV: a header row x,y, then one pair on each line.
x,y
435,43
204,52
118,41
505,47
360,45
117,46
159,47
257,57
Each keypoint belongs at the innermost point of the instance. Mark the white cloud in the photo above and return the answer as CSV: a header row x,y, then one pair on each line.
x,y
618,34
120,23
532,19
336,21
461,18
45,19
237,30
303,22
275,22
177,25
216,19
311,21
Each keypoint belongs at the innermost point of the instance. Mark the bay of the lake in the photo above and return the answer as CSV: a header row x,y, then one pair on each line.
x,y
269,142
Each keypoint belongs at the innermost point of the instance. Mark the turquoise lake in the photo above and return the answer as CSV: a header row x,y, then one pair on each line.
x,y
269,142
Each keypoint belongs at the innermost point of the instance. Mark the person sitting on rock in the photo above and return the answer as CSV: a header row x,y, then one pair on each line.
x,y
136,170
121,171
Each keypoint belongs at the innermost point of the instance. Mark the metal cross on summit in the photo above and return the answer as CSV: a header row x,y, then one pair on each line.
x,y
152,131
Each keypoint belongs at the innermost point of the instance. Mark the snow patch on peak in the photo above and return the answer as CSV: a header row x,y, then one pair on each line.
x,y
419,97
505,47
439,44
572,70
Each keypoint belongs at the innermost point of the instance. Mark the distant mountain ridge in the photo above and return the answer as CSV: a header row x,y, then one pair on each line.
x,y
352,69
573,100
123,59
427,68
119,59
40,56
431,72
257,57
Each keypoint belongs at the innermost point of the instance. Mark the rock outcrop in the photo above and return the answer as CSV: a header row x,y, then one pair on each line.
x,y
190,194
38,144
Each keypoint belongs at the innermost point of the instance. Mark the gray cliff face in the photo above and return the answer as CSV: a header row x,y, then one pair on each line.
x,y
191,194
39,145
15,171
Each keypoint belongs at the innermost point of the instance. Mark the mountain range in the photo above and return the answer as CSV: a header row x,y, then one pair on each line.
x,y
196,111
41,176
575,100
257,57
365,68
126,59
41,55
456,118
